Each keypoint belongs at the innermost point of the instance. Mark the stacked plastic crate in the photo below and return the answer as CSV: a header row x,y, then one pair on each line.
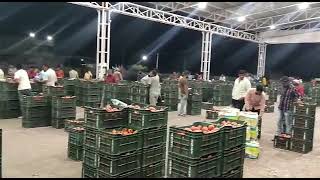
x,y
233,153
52,91
89,93
70,86
119,91
96,121
194,154
153,125
169,91
72,123
63,108
35,111
303,128
315,95
75,143
36,87
222,94
194,101
207,91
139,93
9,101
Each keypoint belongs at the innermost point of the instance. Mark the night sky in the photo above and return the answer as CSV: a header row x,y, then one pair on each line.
x,y
74,30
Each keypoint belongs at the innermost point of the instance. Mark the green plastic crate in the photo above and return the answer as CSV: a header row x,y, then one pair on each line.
x,y
303,121
91,138
301,146
60,102
75,152
193,144
140,118
281,142
63,113
34,101
118,144
6,86
90,157
72,123
101,119
232,159
153,155
89,172
35,112
9,95
57,123
154,170
9,105
302,133
76,137
211,114
233,137
131,174
35,124
53,91
154,136
119,164
180,166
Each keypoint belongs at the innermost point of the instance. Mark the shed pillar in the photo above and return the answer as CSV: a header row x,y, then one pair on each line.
x,y
261,59
206,54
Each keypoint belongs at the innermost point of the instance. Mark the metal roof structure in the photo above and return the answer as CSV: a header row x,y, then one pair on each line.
x,y
240,20
259,16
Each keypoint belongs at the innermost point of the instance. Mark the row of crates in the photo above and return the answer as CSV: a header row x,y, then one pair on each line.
x,y
137,155
199,155
75,144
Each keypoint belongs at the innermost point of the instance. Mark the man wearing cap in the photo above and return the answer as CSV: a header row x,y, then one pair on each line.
x,y
287,98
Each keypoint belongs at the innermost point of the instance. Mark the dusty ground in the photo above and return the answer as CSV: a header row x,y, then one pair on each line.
x,y
42,152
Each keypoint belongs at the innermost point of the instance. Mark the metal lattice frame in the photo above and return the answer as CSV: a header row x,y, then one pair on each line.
x,y
261,59
206,54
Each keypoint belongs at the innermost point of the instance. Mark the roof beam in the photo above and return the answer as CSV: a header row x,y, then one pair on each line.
x,y
93,5
280,20
143,12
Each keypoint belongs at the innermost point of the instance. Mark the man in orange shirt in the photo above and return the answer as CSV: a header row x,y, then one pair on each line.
x,y
255,100
59,72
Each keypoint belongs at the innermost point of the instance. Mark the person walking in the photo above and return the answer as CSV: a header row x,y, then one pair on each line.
x,y
239,91
183,94
21,77
287,98
255,100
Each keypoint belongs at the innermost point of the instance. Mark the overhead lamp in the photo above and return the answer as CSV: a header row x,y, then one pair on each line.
x,y
241,19
32,35
272,27
303,5
202,5
49,38
144,58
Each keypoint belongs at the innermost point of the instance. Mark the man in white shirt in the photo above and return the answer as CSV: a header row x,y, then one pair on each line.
x,y
49,77
155,88
222,78
21,77
73,74
239,91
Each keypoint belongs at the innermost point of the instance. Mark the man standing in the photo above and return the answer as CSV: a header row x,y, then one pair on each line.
x,y
59,72
155,88
287,98
117,75
73,74
222,78
49,77
239,91
109,78
183,94
21,77
255,100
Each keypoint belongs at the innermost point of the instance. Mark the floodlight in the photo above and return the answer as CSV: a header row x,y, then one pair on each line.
x,y
144,58
202,5
49,38
241,19
303,5
272,27
32,35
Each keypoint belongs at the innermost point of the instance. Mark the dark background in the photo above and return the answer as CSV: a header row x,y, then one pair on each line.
x,y
74,30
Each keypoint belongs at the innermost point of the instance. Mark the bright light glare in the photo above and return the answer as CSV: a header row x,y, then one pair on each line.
x,y
32,34
82,60
241,19
303,5
49,38
144,58
272,27
202,5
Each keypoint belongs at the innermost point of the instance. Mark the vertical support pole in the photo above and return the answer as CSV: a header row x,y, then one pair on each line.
x,y
261,59
206,55
103,41
157,64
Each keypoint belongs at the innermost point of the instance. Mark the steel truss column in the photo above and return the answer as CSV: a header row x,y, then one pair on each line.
x,y
206,54
261,59
103,41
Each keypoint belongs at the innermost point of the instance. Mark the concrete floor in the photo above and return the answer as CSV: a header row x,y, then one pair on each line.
x,y
42,152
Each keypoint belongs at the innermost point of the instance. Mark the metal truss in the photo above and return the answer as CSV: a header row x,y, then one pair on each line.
x,y
206,54
131,9
261,59
281,20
